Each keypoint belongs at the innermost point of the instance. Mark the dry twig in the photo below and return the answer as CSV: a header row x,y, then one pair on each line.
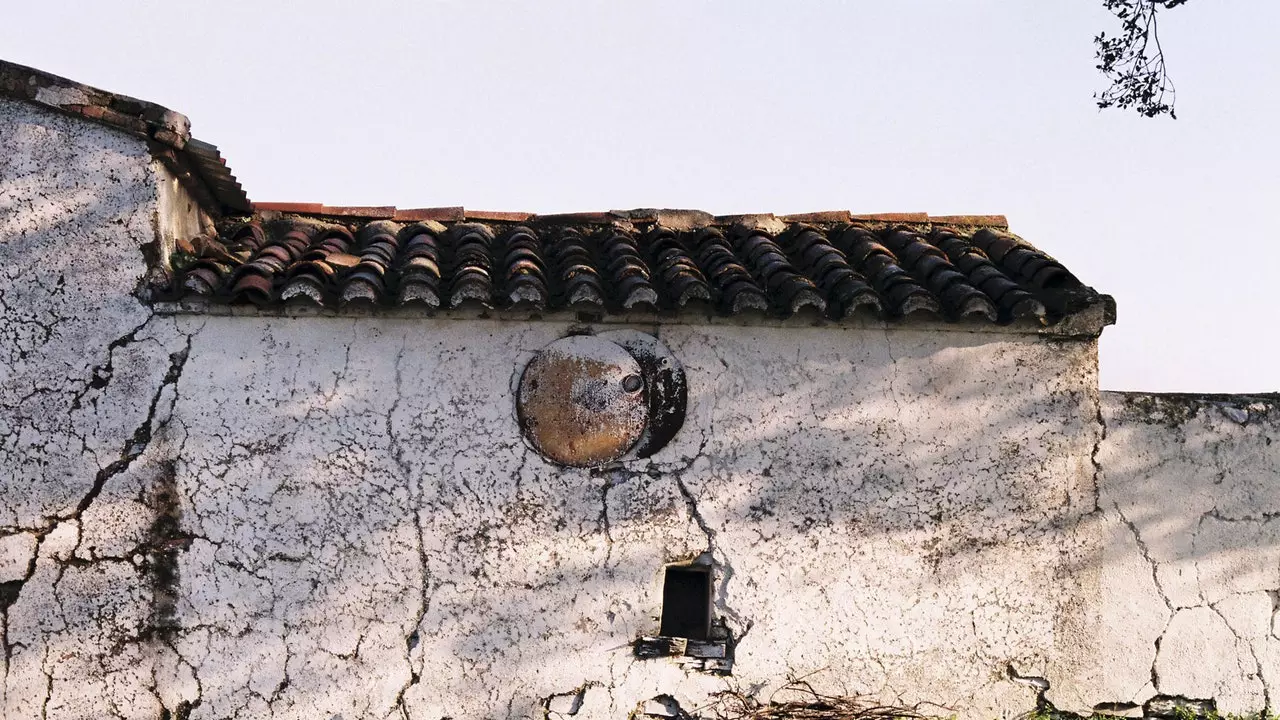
x,y
803,702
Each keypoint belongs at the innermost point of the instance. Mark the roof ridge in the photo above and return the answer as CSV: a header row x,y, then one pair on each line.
x,y
819,271
123,112
673,218
188,158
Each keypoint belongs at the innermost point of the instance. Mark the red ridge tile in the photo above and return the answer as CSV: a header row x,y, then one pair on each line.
x,y
383,211
439,214
819,217
983,220
596,218
496,215
893,217
289,207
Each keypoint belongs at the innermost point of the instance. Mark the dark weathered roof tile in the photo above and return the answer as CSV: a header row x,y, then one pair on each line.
x,y
832,263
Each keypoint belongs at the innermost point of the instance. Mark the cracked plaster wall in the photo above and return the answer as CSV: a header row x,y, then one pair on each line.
x,y
1192,575
283,517
368,535
87,375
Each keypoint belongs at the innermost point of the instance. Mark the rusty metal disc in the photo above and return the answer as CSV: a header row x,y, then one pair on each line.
x,y
664,382
583,401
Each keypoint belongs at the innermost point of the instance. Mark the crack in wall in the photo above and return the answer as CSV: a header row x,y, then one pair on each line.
x,y
133,447
1164,443
719,558
692,504
1146,555
566,703
1145,552
48,685
1266,693
1099,439
101,375
611,479
893,364
165,539
414,492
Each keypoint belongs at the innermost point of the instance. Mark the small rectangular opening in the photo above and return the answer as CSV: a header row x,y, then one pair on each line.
x,y
686,602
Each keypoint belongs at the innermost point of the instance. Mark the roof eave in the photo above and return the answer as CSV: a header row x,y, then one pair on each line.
x,y
1087,321
197,164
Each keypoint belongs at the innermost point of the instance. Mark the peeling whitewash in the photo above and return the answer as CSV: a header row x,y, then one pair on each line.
x,y
253,517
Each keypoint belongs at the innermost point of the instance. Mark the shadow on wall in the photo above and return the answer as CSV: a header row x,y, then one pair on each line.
x,y
361,512
1192,480
85,387
363,527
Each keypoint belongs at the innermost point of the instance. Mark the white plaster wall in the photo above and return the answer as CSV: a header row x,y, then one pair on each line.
x,y
272,517
1192,497
82,390
897,513
284,517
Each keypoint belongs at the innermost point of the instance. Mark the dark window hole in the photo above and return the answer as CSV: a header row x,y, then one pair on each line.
x,y
686,602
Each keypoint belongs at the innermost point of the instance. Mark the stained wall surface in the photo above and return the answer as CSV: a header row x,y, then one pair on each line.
x,y
1192,572
246,516
83,367
216,516
369,528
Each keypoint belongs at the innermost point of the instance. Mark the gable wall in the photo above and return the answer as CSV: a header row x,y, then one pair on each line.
x,y
898,511
338,516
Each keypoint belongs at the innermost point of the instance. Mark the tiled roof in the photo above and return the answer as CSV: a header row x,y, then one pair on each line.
x,y
833,264
198,165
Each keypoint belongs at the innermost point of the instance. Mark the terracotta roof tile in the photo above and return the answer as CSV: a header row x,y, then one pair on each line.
x,y
682,219
977,220
918,218
596,218
815,217
615,262
496,216
287,207
387,211
439,214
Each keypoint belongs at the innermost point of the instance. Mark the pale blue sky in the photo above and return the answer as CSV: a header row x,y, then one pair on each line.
x,y
956,106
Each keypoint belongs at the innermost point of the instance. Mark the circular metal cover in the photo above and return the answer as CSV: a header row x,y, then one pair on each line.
x,y
664,383
583,401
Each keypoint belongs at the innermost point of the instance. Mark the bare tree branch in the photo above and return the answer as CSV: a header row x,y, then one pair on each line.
x,y
1133,61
